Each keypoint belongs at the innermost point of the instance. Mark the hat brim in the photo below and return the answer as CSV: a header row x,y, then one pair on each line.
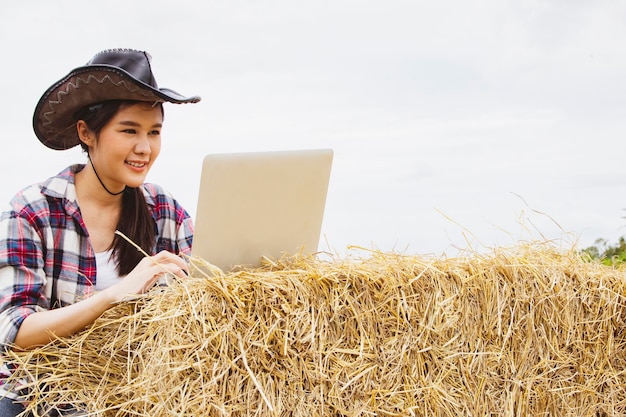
x,y
53,120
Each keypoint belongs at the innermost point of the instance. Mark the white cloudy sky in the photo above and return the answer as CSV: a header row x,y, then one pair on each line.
x,y
456,124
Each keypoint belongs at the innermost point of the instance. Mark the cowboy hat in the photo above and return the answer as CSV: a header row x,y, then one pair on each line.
x,y
113,74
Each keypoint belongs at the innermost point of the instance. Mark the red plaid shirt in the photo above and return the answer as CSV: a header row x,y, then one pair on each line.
x,y
45,252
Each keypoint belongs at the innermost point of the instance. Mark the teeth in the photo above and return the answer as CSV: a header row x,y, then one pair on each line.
x,y
135,164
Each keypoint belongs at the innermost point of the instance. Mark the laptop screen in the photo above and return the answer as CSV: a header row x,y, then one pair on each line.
x,y
260,204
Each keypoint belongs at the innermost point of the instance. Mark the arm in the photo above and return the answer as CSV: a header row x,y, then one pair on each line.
x,y
25,316
41,327
26,319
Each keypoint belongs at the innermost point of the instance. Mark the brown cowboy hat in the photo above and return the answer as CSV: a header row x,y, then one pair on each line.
x,y
114,74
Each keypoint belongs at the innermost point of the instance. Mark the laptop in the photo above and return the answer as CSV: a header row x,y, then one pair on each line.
x,y
256,205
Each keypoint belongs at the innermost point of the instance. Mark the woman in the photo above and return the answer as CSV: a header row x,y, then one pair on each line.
x,y
62,264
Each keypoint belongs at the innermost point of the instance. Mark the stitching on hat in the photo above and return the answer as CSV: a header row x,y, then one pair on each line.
x,y
78,83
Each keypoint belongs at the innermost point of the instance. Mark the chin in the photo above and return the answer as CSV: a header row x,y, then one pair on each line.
x,y
135,183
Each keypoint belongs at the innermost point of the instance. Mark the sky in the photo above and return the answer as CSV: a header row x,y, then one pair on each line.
x,y
456,125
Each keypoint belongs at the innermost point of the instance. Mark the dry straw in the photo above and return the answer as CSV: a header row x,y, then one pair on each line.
x,y
522,331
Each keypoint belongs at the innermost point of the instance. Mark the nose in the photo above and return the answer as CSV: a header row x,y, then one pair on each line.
x,y
142,146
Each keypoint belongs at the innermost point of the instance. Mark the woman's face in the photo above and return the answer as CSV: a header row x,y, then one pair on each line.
x,y
128,145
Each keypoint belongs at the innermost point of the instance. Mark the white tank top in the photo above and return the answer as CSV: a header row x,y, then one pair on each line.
x,y
106,270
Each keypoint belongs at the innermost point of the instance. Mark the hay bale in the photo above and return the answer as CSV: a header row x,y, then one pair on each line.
x,y
528,330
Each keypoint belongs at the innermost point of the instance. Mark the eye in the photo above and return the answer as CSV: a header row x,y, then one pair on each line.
x,y
155,132
129,131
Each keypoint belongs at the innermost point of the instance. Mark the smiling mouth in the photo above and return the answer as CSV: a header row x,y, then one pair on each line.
x,y
137,164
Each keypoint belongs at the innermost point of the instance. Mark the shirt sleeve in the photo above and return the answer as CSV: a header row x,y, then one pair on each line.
x,y
174,225
22,275
185,235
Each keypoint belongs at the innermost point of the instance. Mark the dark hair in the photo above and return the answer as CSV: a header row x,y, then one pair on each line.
x,y
135,220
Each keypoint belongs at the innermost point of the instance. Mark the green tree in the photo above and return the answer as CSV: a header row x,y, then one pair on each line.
x,y
608,254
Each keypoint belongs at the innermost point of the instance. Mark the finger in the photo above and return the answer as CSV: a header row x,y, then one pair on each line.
x,y
171,270
168,257
176,269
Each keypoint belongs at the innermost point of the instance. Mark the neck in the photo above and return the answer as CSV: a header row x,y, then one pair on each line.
x,y
89,190
102,183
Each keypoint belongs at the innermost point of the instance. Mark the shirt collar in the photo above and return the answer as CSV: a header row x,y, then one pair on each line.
x,y
63,185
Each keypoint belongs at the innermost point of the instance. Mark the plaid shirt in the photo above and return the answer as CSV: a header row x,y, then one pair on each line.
x,y
45,252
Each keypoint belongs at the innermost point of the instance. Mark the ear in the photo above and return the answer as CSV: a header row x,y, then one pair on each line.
x,y
85,134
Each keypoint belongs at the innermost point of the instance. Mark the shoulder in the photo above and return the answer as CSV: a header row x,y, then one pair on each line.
x,y
156,196
35,199
153,191
162,203
28,200
173,223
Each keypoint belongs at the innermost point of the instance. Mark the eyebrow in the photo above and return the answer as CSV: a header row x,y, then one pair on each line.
x,y
135,124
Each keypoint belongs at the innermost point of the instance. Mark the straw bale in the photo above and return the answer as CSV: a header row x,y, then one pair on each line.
x,y
529,330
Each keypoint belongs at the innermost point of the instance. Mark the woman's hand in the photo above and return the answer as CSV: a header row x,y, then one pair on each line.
x,y
146,273
41,327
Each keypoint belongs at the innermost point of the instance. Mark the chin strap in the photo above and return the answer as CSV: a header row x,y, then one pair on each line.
x,y
101,183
